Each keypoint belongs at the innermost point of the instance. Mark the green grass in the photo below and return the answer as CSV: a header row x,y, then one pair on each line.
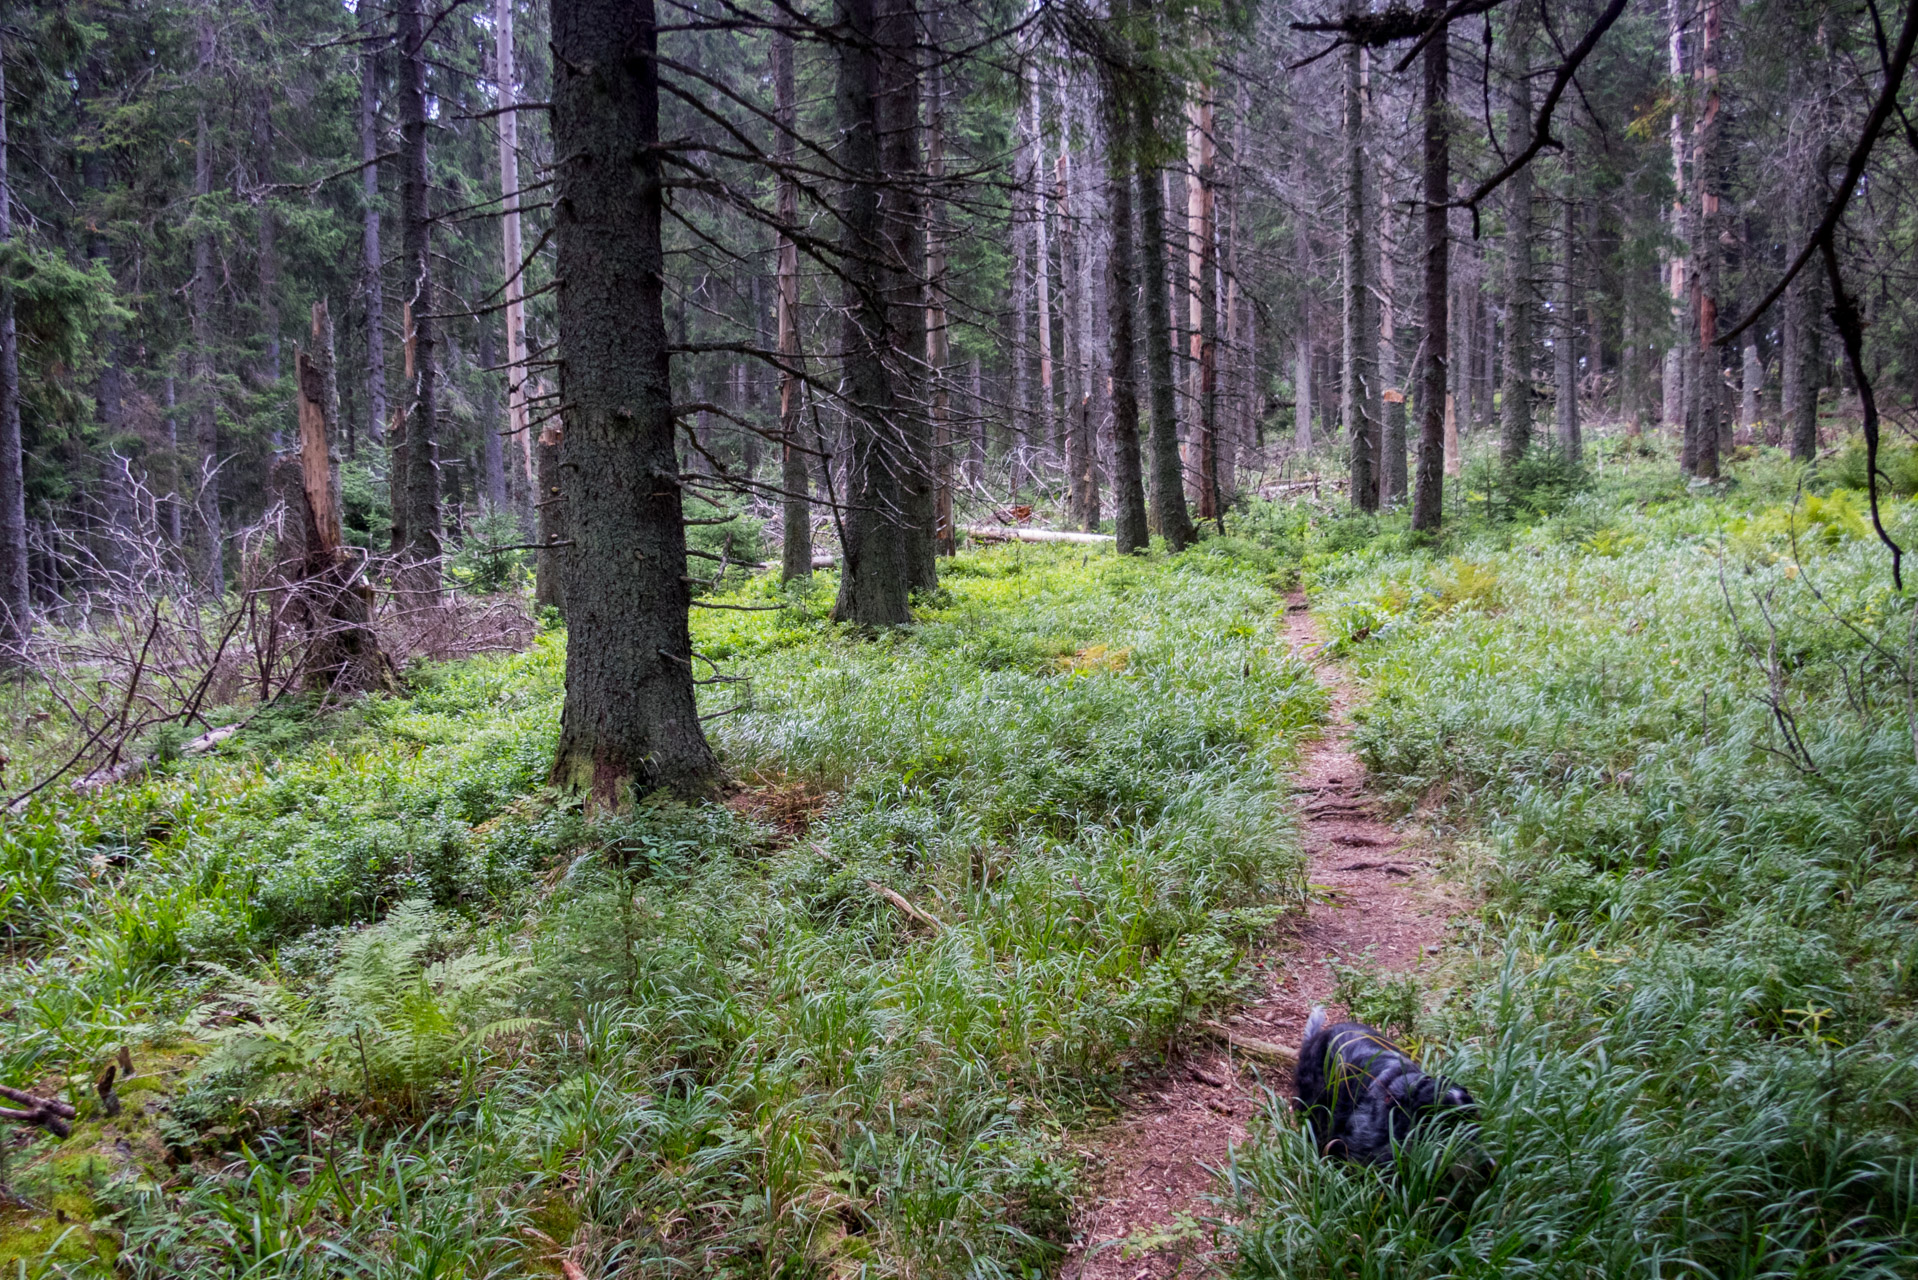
x,y
1685,790
686,1041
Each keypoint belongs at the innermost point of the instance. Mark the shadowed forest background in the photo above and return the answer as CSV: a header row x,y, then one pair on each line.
x,y
644,638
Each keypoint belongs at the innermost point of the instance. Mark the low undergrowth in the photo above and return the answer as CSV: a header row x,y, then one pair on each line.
x,y
440,1023
1674,736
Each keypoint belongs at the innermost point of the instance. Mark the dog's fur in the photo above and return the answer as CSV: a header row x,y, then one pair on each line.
x,y
1361,1093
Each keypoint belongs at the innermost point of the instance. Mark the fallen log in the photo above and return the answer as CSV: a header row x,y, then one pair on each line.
x,y
992,533
1252,1046
50,1114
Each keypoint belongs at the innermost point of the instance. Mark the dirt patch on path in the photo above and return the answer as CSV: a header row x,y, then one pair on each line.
x,y
1376,888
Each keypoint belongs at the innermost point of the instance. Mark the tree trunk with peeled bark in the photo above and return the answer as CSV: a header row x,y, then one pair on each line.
x,y
1167,511
794,474
874,579
630,723
1428,497
15,598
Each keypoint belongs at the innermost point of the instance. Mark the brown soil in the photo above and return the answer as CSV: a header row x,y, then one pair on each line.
x,y
1374,887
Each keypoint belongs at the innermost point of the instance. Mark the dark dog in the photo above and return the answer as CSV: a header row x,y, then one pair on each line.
x,y
1362,1094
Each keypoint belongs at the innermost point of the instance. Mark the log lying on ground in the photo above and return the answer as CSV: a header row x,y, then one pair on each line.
x,y
1252,1046
128,769
996,533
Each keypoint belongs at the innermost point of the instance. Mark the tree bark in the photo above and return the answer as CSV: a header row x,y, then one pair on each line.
x,y
874,580
1204,266
15,596
373,291
1515,395
1428,498
903,234
200,323
1799,362
1128,485
1042,272
938,335
1700,452
630,723
421,553
505,72
1359,387
1167,513
1565,350
795,475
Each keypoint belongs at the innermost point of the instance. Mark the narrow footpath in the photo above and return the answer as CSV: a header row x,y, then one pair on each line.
x,y
1374,888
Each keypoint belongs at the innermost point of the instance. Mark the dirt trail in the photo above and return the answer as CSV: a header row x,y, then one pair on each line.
x,y
1151,1167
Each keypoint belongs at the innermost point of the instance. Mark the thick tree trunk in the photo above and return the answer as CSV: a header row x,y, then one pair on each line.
x,y
1392,477
343,654
1021,407
549,566
1167,512
492,444
630,723
1202,263
1515,395
1565,349
1677,358
421,553
1428,497
372,289
903,233
15,593
200,301
874,580
1799,363
1128,485
1359,388
794,474
1042,275
1751,382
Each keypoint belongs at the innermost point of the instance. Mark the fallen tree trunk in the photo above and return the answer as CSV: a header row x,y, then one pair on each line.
x,y
994,533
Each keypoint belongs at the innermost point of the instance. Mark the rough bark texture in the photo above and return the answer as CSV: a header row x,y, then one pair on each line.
x,y
1798,354
874,582
1128,483
630,723
1699,456
1515,395
795,475
421,552
505,61
1359,389
902,221
549,567
15,603
1167,513
373,292
1565,349
1428,497
938,336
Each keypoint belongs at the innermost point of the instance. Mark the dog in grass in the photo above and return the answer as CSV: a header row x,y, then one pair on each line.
x,y
1362,1095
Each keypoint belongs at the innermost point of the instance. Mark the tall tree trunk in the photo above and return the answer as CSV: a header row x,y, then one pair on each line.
x,y
505,72
421,553
1167,512
267,248
1204,265
1392,477
1799,362
15,593
1302,391
1677,358
874,581
938,335
1703,380
903,233
794,474
1515,395
1042,273
1356,413
492,444
373,291
1071,336
1631,368
1128,485
1565,350
630,723
1751,382
1428,498
1024,184
200,299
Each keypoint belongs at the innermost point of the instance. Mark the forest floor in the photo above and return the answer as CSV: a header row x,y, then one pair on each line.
x,y
1375,897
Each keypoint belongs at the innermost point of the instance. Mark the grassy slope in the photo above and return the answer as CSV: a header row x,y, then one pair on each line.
x,y
742,1057
1688,1011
